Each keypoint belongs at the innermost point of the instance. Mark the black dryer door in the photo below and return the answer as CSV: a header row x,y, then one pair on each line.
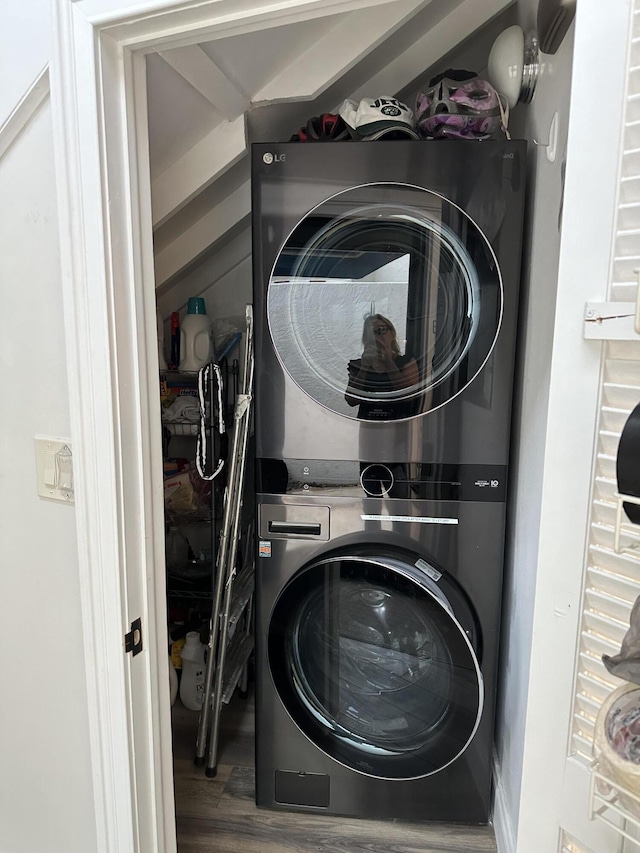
x,y
373,665
384,302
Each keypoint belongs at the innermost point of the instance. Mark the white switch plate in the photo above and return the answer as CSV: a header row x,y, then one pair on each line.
x,y
54,468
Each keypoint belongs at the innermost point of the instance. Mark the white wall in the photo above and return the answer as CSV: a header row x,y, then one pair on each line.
x,y
224,279
46,794
535,349
25,46
539,789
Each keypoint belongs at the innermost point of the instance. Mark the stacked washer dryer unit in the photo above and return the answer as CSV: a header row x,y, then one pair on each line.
x,y
381,489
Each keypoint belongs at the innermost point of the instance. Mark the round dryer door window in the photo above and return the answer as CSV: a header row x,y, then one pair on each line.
x,y
385,302
374,667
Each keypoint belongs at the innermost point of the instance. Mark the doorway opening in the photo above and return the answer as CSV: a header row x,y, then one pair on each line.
x,y
135,229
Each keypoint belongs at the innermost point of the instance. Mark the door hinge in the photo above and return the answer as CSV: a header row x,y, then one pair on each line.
x,y
133,640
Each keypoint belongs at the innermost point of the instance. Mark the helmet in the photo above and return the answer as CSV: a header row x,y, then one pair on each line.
x,y
323,128
459,104
384,117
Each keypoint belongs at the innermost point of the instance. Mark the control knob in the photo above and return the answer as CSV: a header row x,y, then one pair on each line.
x,y
376,480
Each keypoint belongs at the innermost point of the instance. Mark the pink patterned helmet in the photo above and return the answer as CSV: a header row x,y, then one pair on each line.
x,y
459,104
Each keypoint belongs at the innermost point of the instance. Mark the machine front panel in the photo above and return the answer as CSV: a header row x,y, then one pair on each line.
x,y
386,309
373,665
400,480
386,281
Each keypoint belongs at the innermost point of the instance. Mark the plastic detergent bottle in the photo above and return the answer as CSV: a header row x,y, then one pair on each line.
x,y
195,344
193,671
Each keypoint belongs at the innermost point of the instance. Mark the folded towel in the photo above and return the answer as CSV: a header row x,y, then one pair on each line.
x,y
185,408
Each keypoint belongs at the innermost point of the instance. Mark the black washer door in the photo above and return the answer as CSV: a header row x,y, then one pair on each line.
x,y
384,302
373,666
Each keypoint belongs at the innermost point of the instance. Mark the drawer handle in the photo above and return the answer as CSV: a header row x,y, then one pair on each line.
x,y
302,528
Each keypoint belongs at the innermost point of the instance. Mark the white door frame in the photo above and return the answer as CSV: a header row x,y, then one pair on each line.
x,y
101,145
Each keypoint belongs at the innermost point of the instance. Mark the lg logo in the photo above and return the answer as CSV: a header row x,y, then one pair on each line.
x,y
269,158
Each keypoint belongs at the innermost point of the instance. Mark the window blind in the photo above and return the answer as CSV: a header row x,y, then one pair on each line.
x,y
612,580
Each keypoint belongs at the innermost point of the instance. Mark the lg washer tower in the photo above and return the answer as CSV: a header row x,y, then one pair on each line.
x,y
386,286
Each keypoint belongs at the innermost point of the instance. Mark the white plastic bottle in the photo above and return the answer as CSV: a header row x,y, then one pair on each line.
x,y
195,340
193,671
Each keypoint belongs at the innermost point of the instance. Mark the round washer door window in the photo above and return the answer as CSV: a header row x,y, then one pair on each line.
x,y
384,302
373,666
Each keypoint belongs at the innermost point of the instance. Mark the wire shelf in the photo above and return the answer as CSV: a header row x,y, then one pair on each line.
x,y
178,429
188,595
609,802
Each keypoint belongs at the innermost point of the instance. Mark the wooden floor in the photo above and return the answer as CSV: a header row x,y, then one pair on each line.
x,y
220,816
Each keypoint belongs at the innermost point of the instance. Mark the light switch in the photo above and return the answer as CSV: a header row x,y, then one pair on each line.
x,y
54,468
49,469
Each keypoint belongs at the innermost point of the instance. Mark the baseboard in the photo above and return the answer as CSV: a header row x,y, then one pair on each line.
x,y
502,823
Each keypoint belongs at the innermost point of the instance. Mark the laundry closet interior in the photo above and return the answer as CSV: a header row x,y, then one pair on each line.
x,y
209,105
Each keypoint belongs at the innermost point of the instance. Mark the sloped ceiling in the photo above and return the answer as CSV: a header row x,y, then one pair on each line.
x,y
208,102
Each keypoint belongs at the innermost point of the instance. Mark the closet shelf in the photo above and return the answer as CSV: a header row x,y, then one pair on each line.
x,y
203,515
178,374
177,595
184,428
190,570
